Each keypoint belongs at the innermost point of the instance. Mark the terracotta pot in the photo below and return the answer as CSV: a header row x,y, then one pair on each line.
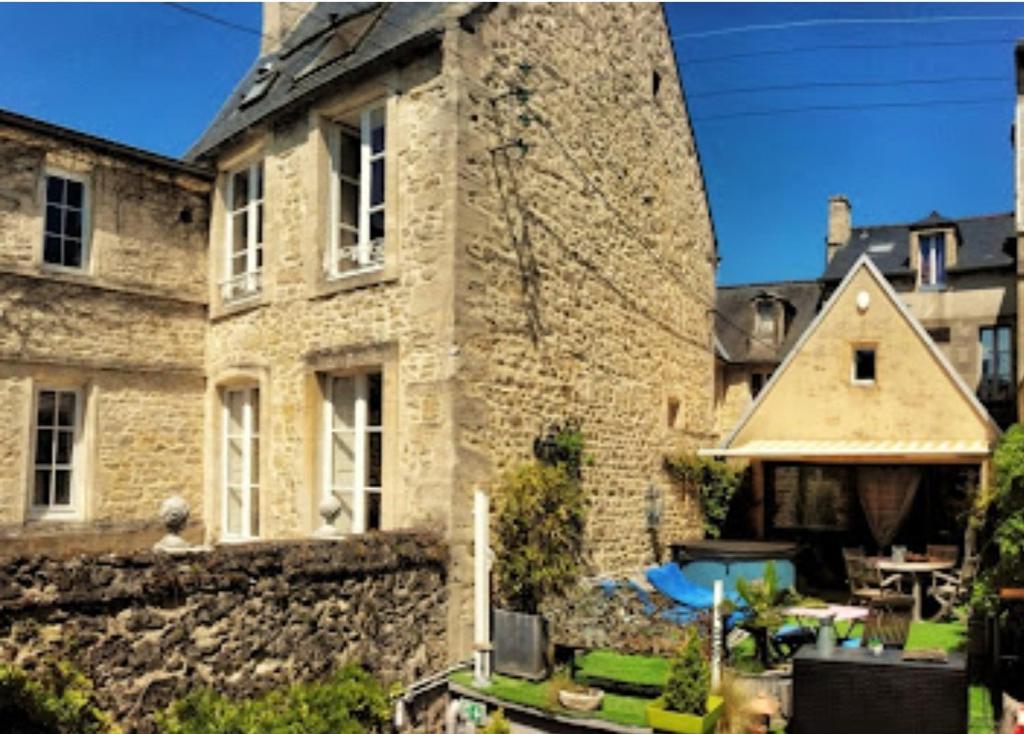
x,y
588,700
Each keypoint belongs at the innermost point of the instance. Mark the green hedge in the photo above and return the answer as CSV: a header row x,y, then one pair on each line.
x,y
350,702
54,698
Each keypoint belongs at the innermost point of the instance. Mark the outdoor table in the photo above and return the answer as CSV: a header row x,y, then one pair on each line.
x,y
914,569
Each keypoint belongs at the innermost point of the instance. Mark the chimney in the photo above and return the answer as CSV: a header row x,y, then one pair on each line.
x,y
278,21
839,225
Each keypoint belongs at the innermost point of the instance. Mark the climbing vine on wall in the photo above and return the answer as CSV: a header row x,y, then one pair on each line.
x,y
715,482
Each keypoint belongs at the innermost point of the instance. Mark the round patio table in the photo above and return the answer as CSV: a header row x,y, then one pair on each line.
x,y
915,570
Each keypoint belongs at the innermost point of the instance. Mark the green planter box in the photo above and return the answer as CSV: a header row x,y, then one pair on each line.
x,y
672,721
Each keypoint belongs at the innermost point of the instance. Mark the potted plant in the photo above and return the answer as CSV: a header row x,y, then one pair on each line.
x,y
762,603
565,692
687,706
538,545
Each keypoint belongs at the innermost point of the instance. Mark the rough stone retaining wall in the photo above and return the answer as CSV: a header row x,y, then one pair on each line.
x,y
242,619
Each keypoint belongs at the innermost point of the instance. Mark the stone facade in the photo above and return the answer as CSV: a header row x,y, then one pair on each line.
x,y
241,619
570,275
126,331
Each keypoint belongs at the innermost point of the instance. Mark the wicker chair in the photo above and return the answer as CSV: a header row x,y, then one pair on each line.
x,y
868,586
949,588
942,552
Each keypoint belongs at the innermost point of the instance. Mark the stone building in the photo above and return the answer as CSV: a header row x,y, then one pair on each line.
x,y
428,232
436,229
956,276
102,324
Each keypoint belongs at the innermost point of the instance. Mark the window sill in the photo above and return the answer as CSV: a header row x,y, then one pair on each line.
x,y
329,285
234,307
65,270
46,517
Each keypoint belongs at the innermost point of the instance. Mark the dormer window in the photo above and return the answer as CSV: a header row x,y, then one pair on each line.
x,y
765,319
932,251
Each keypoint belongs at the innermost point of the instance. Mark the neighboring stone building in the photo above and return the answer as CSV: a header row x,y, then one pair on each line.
x,y
956,276
437,229
756,326
102,321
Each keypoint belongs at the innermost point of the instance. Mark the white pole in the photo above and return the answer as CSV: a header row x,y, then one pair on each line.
x,y
716,636
481,589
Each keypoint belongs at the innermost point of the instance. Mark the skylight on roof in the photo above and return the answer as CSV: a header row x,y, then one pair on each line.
x,y
881,247
265,76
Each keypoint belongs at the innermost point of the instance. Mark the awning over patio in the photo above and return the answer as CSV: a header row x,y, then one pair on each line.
x,y
851,450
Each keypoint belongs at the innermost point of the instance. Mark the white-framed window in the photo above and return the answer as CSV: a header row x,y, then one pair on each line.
x,y
353,448
932,251
864,365
240,505
243,265
66,221
56,435
358,193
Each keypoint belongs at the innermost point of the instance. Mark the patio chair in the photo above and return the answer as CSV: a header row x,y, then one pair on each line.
x,y
869,586
890,629
942,552
949,588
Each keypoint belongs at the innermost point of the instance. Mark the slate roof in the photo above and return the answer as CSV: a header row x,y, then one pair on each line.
x,y
983,245
735,312
400,28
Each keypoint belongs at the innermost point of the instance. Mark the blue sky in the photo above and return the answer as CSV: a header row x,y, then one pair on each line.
x,y
152,76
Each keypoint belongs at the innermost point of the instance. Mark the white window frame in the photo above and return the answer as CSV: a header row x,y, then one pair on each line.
x,y
988,383
365,256
930,238
250,433
73,510
83,179
236,287
360,431
766,318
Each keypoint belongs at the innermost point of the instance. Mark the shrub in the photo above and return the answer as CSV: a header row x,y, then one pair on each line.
x,y
689,677
497,724
715,481
55,699
349,702
540,510
1000,511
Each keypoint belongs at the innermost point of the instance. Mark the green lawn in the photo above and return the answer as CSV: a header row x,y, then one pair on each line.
x,y
617,709
636,669
645,670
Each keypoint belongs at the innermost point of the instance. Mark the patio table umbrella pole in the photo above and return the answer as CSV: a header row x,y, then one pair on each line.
x,y
481,589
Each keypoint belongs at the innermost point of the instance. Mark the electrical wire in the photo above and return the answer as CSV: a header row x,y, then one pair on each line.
x,y
845,84
852,108
825,22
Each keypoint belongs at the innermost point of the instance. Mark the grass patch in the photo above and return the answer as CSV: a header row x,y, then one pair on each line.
x,y
948,636
980,717
616,709
637,669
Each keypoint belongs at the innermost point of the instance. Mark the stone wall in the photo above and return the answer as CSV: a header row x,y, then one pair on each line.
x,y
241,619
585,271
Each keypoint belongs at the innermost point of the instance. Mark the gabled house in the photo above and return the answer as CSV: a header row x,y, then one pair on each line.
x,y
414,237
866,431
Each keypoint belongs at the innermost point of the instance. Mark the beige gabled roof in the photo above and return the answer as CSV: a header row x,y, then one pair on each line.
x,y
864,264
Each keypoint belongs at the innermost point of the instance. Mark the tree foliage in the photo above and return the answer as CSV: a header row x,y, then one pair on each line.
x,y
540,512
54,699
689,677
1002,512
349,702
497,724
715,481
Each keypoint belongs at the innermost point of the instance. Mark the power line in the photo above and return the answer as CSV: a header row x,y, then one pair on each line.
x,y
822,22
827,85
844,47
215,19
851,108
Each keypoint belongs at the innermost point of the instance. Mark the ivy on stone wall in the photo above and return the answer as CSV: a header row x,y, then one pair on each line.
x,y
715,481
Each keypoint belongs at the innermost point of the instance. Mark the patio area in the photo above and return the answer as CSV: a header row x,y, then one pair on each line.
x,y
606,667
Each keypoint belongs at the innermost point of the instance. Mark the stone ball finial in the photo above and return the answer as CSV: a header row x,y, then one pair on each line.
x,y
330,508
174,512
